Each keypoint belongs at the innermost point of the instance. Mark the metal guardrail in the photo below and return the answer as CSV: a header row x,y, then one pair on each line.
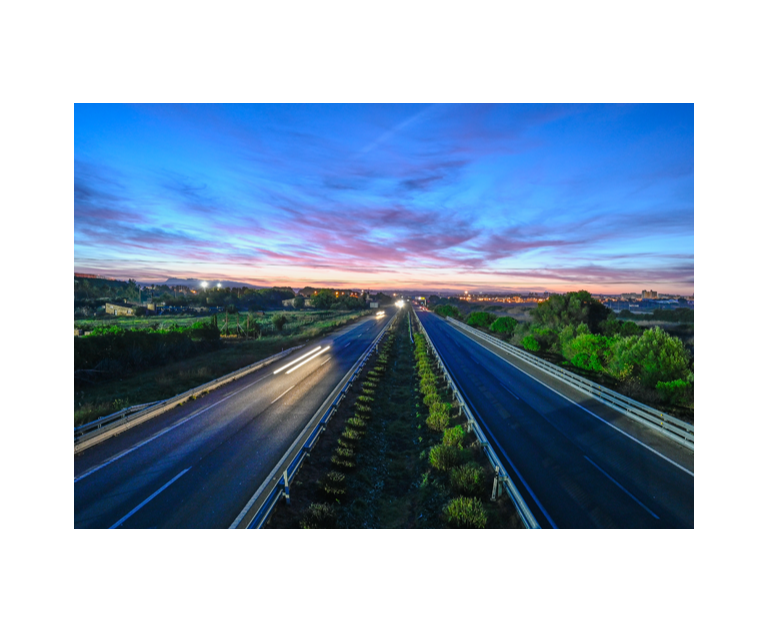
x,y
93,432
672,427
502,475
276,485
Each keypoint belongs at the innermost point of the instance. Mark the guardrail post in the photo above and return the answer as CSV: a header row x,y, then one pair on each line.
x,y
286,487
496,486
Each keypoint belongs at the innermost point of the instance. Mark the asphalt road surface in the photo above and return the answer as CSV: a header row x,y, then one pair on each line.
x,y
197,465
578,464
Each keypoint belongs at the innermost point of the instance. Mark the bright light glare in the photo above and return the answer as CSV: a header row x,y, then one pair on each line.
x,y
315,349
400,303
204,284
380,314
307,360
219,285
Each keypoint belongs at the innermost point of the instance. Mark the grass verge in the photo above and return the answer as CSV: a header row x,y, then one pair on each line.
x,y
99,399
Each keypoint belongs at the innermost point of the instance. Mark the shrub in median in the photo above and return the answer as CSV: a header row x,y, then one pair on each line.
x,y
465,512
357,423
428,400
439,416
333,484
351,434
454,437
467,479
319,516
343,458
443,457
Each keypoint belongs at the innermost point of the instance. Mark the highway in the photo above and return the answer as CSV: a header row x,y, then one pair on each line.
x,y
579,463
197,465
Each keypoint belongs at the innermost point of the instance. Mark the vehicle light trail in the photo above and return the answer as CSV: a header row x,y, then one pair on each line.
x,y
307,360
315,349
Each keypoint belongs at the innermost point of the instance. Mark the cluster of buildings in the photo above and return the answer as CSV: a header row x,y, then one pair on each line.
x,y
647,301
514,298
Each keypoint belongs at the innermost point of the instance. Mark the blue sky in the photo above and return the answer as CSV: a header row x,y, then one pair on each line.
x,y
487,197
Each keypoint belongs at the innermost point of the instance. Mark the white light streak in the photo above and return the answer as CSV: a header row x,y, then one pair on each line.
x,y
315,349
307,360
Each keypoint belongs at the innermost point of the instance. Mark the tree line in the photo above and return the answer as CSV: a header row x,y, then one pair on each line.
x,y
591,337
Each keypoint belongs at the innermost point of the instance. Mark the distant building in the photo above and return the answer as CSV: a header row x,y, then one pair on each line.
x,y
119,311
649,294
289,303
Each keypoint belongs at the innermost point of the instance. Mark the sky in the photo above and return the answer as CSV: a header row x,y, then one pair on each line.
x,y
418,196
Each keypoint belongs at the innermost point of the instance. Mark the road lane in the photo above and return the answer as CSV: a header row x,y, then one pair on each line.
x,y
228,441
583,472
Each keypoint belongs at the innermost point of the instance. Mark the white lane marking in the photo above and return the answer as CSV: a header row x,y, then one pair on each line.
x,y
161,433
282,394
629,436
346,345
622,488
325,360
289,364
510,391
150,498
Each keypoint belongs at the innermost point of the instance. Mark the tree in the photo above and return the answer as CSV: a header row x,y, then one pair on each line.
x,y
652,357
298,302
504,325
323,299
530,344
589,351
572,308
445,310
480,319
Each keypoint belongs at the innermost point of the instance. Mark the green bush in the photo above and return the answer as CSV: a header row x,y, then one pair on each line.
x,y
590,351
467,479
530,343
438,416
319,516
351,434
454,437
344,462
676,392
356,422
443,457
428,400
333,484
480,319
445,310
504,325
652,357
465,512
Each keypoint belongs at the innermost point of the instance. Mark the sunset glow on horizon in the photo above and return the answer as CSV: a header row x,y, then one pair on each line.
x,y
435,197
